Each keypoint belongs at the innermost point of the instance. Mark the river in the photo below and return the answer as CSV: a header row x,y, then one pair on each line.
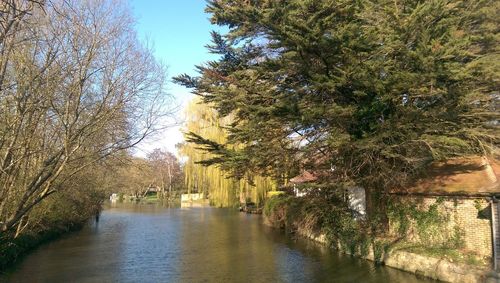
x,y
152,243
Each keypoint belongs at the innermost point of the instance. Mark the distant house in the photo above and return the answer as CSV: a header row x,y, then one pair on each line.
x,y
114,197
467,190
192,197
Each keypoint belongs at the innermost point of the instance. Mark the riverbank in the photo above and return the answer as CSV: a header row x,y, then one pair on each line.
x,y
60,214
12,250
329,223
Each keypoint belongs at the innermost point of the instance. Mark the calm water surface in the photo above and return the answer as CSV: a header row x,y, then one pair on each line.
x,y
152,243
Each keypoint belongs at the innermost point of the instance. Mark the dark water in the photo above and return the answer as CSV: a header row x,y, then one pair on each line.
x,y
151,243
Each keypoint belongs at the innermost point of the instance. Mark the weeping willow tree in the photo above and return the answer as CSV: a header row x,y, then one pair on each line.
x,y
222,187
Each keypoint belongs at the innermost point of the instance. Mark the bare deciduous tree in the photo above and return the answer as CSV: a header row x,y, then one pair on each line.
x,y
76,86
166,169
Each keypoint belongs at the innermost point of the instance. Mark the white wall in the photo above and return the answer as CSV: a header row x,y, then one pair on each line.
x,y
191,197
357,200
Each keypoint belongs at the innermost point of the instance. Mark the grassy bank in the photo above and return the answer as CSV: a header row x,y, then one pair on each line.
x,y
13,249
57,215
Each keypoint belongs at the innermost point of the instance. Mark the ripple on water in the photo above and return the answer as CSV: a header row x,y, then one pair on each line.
x,y
151,243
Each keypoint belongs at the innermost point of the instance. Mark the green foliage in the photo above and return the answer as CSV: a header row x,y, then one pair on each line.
x,y
273,203
380,247
429,225
326,214
375,89
477,205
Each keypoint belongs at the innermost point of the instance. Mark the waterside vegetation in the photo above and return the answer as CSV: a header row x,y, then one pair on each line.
x,y
416,230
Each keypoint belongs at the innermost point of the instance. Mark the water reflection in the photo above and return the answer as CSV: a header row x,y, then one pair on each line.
x,y
154,243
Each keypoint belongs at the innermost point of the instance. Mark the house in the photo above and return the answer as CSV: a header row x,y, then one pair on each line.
x,y
467,191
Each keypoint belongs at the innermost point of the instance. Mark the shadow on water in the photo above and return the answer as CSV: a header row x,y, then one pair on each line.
x,y
155,243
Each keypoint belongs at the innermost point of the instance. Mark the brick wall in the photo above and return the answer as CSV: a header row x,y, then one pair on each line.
x,y
470,215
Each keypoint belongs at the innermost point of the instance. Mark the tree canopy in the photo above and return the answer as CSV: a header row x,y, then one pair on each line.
x,y
370,91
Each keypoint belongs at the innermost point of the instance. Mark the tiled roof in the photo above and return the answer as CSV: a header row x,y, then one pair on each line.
x,y
473,176
305,177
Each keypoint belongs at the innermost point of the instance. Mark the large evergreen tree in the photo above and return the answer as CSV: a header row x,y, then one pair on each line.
x,y
375,90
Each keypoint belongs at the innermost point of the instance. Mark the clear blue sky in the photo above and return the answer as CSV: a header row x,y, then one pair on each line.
x,y
179,30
